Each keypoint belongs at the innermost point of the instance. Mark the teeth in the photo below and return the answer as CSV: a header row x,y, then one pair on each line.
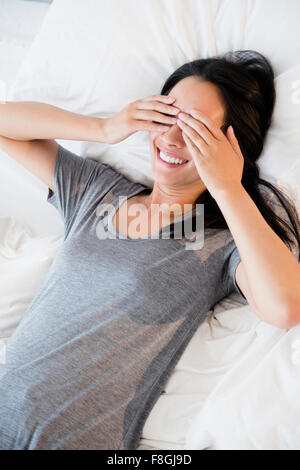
x,y
177,161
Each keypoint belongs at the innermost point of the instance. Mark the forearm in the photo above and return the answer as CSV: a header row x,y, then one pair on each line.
x,y
28,120
272,270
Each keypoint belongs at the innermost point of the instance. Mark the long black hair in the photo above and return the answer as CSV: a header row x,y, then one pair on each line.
x,y
246,82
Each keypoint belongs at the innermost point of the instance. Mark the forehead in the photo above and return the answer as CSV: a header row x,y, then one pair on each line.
x,y
193,93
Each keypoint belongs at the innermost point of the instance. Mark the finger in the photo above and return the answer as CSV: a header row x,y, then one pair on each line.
x,y
199,127
198,141
233,140
194,150
209,123
151,126
157,106
153,116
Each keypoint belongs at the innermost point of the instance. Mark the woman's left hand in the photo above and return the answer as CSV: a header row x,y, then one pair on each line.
x,y
218,158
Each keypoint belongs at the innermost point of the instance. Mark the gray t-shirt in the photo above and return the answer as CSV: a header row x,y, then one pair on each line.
x,y
106,328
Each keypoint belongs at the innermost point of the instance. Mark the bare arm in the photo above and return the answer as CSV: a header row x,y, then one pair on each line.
x,y
28,130
37,156
269,273
29,120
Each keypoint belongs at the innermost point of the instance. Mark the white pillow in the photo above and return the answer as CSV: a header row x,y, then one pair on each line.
x,y
94,57
19,23
24,263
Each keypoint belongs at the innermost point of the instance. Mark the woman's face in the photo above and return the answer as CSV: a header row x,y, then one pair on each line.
x,y
190,93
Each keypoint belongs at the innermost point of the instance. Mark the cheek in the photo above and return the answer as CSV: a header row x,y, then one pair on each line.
x,y
153,136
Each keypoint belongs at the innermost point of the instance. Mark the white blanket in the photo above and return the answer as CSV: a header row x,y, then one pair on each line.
x,y
24,263
255,405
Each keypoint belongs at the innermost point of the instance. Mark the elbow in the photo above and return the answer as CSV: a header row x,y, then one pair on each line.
x,y
285,317
292,314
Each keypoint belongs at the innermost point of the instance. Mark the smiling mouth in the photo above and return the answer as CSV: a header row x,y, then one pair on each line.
x,y
170,161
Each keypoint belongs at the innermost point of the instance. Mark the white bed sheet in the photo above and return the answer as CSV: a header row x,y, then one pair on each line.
x,y
255,405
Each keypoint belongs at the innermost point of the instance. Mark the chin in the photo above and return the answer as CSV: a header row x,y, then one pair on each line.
x,y
166,179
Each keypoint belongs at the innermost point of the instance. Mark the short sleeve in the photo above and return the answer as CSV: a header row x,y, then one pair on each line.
x,y
231,261
75,181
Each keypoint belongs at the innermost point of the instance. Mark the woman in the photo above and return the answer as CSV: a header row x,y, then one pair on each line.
x,y
95,348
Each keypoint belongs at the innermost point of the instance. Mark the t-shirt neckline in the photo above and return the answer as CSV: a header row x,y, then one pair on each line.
x,y
117,203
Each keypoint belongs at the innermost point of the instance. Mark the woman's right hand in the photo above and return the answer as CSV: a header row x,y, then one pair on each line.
x,y
147,114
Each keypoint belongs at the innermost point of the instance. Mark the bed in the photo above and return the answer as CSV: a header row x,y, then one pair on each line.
x,y
237,384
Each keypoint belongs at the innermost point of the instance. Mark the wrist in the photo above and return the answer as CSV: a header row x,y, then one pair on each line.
x,y
98,129
233,191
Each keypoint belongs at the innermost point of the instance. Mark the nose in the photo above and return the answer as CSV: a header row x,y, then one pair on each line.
x,y
173,136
